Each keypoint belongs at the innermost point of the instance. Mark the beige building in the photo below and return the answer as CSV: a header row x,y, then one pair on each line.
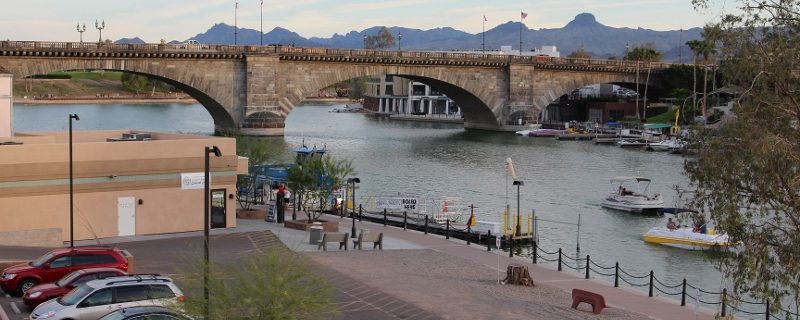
x,y
6,118
125,183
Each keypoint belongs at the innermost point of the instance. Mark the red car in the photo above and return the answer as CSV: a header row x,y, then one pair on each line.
x,y
57,263
43,292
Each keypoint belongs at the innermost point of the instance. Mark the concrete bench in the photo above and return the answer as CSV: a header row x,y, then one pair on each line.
x,y
375,238
339,237
595,300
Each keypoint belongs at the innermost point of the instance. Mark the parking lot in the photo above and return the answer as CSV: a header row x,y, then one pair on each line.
x,y
170,255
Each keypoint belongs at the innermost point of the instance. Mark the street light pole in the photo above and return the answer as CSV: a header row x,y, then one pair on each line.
x,y
236,23
399,38
100,27
353,180
81,30
206,227
365,41
71,224
262,22
518,183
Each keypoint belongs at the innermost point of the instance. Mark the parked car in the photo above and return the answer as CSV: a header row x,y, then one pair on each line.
x,y
97,298
59,262
46,291
149,313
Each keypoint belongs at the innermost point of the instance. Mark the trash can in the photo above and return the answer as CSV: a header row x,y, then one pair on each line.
x,y
316,234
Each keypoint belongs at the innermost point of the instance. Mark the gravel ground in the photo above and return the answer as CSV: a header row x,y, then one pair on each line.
x,y
455,288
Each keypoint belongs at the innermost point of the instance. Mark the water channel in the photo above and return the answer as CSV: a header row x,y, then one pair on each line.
x,y
563,179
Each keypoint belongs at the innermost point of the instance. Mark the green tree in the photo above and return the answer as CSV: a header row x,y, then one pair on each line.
x,y
696,46
276,284
747,173
315,179
643,53
579,54
258,151
383,40
358,87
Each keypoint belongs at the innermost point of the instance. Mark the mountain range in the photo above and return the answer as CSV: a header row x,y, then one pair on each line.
x,y
583,32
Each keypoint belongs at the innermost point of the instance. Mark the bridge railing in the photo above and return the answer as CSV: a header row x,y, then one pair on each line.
x,y
291,50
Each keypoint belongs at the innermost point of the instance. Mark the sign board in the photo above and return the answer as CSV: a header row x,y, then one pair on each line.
x,y
497,242
271,211
193,180
410,204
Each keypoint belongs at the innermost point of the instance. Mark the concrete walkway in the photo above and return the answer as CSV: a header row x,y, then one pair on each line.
x,y
396,238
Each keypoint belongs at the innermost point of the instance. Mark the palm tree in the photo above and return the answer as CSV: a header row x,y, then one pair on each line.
x,y
708,48
695,46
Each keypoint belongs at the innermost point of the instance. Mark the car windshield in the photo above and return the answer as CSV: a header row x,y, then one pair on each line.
x,y
41,260
75,296
69,278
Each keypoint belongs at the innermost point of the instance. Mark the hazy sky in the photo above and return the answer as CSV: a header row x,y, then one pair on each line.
x,y
152,20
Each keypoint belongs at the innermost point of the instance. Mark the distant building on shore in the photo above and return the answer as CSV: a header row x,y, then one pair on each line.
x,y
395,95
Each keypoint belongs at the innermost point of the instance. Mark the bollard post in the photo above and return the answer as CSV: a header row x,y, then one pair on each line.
x,y
683,293
469,234
535,251
768,318
587,266
650,290
724,296
488,240
616,274
405,220
447,230
426,224
559,259
384,217
359,212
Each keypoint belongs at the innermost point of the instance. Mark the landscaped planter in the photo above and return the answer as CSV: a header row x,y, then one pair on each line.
x,y
251,214
328,226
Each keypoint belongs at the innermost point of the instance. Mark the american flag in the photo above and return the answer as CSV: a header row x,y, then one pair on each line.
x,y
484,18
523,15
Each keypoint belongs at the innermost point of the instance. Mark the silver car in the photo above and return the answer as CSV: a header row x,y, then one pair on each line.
x,y
97,298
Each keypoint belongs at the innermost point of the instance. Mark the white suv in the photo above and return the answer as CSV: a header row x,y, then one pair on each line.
x,y
97,298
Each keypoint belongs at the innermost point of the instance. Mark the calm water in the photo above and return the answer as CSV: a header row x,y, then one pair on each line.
x,y
563,179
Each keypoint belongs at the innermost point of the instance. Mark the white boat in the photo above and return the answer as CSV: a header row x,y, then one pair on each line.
x,y
524,133
632,194
685,238
346,108
667,145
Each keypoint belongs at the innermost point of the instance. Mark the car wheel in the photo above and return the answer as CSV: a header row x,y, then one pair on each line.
x,y
26,284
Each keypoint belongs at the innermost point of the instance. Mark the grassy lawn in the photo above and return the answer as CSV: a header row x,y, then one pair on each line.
x,y
666,117
93,75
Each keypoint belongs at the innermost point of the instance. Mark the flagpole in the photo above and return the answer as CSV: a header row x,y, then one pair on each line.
x,y
483,35
520,33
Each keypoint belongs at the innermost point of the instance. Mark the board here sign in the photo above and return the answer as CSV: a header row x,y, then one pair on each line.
x,y
410,204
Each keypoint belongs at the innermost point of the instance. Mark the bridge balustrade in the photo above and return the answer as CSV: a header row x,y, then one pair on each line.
x,y
542,61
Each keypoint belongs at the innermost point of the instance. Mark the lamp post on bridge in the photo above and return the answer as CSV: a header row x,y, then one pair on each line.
x,y
236,23
365,41
399,38
100,27
262,23
81,30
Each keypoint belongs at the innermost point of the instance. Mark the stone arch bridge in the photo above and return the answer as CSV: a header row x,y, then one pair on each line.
x,y
254,88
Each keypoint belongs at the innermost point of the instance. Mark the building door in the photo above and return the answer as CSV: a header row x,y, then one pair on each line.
x,y
126,216
218,215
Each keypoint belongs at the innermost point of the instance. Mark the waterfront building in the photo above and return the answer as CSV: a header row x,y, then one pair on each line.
x,y
6,117
389,94
125,183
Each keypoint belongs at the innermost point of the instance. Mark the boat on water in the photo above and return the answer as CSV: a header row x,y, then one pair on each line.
x,y
632,194
546,132
353,107
667,145
630,143
685,238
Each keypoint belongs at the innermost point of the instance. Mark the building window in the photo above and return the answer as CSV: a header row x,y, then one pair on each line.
x,y
377,90
389,90
389,78
418,90
435,92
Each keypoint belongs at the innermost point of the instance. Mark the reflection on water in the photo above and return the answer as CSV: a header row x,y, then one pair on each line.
x,y
563,179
